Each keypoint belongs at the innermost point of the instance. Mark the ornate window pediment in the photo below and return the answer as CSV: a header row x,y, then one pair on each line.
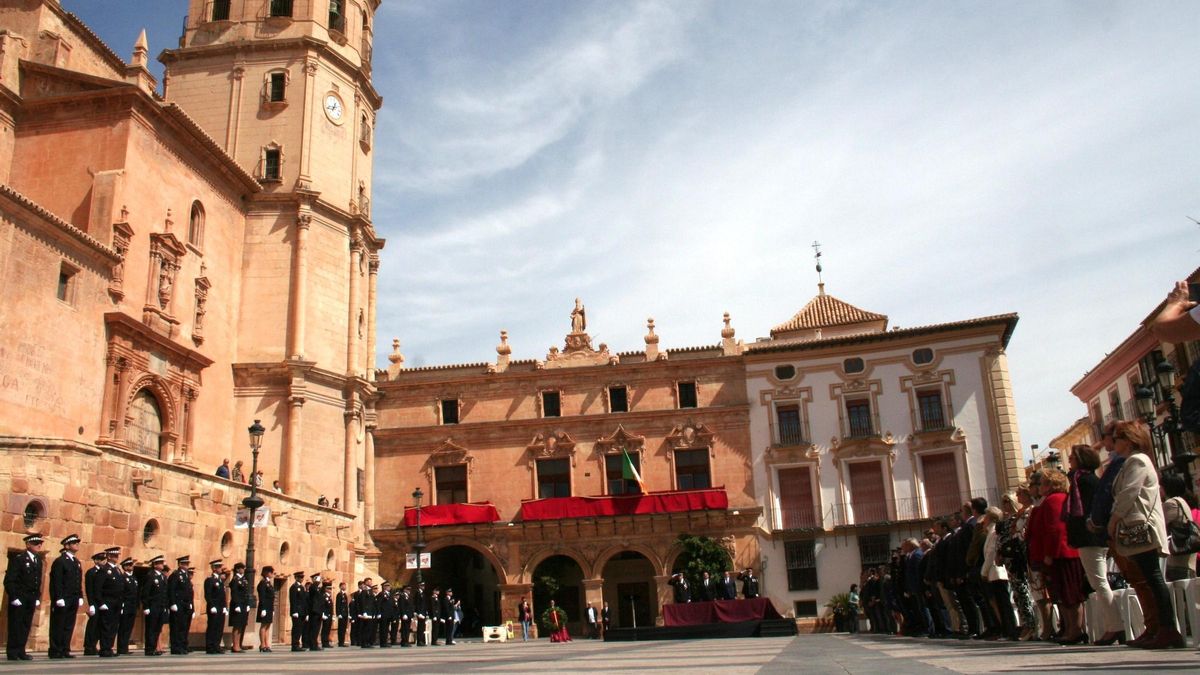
x,y
690,435
871,446
552,444
450,453
618,440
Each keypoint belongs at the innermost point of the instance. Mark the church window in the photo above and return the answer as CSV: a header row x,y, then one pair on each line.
x,y
337,15
451,484
278,87
196,225
553,478
66,282
220,10
691,469
551,404
272,164
281,7
146,430
687,394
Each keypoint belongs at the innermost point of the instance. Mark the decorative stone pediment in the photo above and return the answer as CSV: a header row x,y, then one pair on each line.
x,y
552,444
577,348
450,453
618,440
874,446
922,439
790,454
690,436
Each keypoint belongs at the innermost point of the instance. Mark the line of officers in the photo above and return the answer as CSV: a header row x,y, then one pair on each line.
x,y
111,595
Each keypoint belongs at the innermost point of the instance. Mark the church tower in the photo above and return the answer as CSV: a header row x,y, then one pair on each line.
x,y
284,87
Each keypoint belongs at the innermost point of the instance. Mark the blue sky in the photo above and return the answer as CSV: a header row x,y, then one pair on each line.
x,y
677,159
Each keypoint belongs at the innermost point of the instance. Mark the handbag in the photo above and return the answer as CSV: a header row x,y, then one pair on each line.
x,y
1134,536
1184,532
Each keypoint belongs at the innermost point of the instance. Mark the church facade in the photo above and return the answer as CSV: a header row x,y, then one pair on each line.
x,y
179,263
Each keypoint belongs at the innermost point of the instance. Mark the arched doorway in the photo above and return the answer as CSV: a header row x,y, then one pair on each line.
x,y
559,577
474,581
145,431
630,590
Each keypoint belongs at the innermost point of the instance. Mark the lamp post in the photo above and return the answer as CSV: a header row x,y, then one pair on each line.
x,y
253,502
419,544
1181,457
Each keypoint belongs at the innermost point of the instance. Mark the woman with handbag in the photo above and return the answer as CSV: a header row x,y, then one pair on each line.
x,y
1139,532
1060,563
1012,554
1177,509
1092,544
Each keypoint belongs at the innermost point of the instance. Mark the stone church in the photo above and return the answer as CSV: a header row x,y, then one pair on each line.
x,y
179,261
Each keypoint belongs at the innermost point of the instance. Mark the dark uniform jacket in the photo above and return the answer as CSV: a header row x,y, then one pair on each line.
x,y
239,594
111,584
343,605
154,593
385,606
316,601
130,597
23,579
266,597
91,588
214,593
66,580
180,592
405,608
297,600
366,604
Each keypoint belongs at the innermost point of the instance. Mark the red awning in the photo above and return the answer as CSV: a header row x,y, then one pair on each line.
x,y
655,502
452,514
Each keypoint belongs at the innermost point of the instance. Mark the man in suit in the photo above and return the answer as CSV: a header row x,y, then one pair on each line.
x,y
298,608
450,611
181,597
154,605
592,622
23,586
342,609
91,630
130,599
749,584
66,597
110,584
606,617
216,607
729,586
707,588
683,592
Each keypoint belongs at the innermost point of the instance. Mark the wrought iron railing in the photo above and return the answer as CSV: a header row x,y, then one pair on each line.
x,y
859,514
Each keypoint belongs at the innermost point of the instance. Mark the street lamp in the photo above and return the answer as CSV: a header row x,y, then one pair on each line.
x,y
1181,457
253,502
419,544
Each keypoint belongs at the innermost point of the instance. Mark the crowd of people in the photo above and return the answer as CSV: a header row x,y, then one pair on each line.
x,y
999,572
112,596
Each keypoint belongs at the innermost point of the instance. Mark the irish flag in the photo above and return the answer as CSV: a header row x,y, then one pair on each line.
x,y
630,472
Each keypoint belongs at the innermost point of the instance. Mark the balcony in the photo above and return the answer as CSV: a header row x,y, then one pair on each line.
x,y
909,509
452,514
860,426
934,419
799,519
671,501
792,433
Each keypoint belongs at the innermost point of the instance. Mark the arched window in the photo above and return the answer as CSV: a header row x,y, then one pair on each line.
x,y
196,225
146,431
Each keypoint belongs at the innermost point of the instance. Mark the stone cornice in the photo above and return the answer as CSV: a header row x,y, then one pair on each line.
x,y
61,226
184,355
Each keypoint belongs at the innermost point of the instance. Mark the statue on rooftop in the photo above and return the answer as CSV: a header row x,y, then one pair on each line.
x,y
578,318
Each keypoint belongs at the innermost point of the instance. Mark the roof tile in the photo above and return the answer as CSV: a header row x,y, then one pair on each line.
x,y
824,311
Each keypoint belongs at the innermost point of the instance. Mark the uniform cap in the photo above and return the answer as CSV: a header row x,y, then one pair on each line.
x,y
99,555
113,551
216,563
127,561
33,538
72,539
157,559
268,569
184,560
298,575
239,566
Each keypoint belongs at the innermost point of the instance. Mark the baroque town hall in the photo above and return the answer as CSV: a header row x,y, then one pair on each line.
x,y
179,261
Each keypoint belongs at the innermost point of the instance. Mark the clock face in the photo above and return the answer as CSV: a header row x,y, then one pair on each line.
x,y
334,108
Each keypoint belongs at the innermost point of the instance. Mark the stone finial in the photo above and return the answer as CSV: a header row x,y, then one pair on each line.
x,y
730,346
141,51
503,352
396,358
167,223
651,341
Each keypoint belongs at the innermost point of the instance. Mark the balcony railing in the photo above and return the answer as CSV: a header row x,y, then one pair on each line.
x,y
860,426
792,433
934,419
860,514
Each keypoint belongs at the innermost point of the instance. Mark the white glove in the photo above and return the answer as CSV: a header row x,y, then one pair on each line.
x,y
146,612
324,616
263,613
103,608
91,610
16,603
212,610
81,602
225,610
295,616
37,603
174,608
193,615
60,603
237,610
405,617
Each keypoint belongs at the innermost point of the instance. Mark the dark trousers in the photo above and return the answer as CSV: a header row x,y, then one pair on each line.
x,y
980,595
405,631
125,631
393,628
181,623
298,631
343,624
970,611
110,624
91,634
366,634
1008,618
922,620
421,632
326,629
385,626
212,633
355,632
1148,565
312,636
20,620
62,627
154,624
438,632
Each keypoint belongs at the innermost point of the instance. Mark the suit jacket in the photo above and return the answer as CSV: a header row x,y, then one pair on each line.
x,y
90,588
707,589
110,582
446,608
298,599
154,593
266,596
749,586
729,588
23,578
130,595
180,592
524,613
385,607
591,615
606,616
404,606
239,593
343,604
66,580
316,601
214,593
421,603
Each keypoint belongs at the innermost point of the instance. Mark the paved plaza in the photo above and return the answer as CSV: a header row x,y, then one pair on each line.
x,y
802,654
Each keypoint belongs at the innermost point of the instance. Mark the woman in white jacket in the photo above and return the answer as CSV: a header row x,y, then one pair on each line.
x,y
1138,530
995,576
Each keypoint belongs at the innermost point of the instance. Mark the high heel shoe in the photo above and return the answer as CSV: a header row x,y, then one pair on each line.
x,y
1115,637
1077,640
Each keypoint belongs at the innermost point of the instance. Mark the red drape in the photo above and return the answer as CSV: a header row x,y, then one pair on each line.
x,y
452,514
718,611
655,502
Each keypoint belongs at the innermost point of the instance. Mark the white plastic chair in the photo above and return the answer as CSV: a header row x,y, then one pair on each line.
x,y
1185,594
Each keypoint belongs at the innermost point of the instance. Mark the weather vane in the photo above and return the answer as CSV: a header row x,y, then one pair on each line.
x,y
816,247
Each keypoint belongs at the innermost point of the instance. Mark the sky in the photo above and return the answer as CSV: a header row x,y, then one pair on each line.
x,y
677,160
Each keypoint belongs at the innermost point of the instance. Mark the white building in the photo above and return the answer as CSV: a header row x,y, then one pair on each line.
x,y
860,435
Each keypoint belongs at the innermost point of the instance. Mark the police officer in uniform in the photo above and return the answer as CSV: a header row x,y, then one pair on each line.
x,y
266,608
342,608
182,597
110,584
316,612
23,586
154,605
326,613
421,602
407,611
298,608
436,621
214,600
239,606
384,611
749,584
366,605
130,599
91,631
66,597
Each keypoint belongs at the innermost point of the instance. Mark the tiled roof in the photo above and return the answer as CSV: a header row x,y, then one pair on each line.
x,y
1007,321
824,311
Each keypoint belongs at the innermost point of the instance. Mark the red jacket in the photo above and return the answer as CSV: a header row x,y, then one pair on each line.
x,y
1046,533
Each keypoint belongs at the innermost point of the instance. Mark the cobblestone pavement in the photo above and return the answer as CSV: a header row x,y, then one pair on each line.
x,y
803,654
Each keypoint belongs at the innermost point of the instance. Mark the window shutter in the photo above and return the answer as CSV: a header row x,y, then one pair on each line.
x,y
796,498
867,496
941,483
